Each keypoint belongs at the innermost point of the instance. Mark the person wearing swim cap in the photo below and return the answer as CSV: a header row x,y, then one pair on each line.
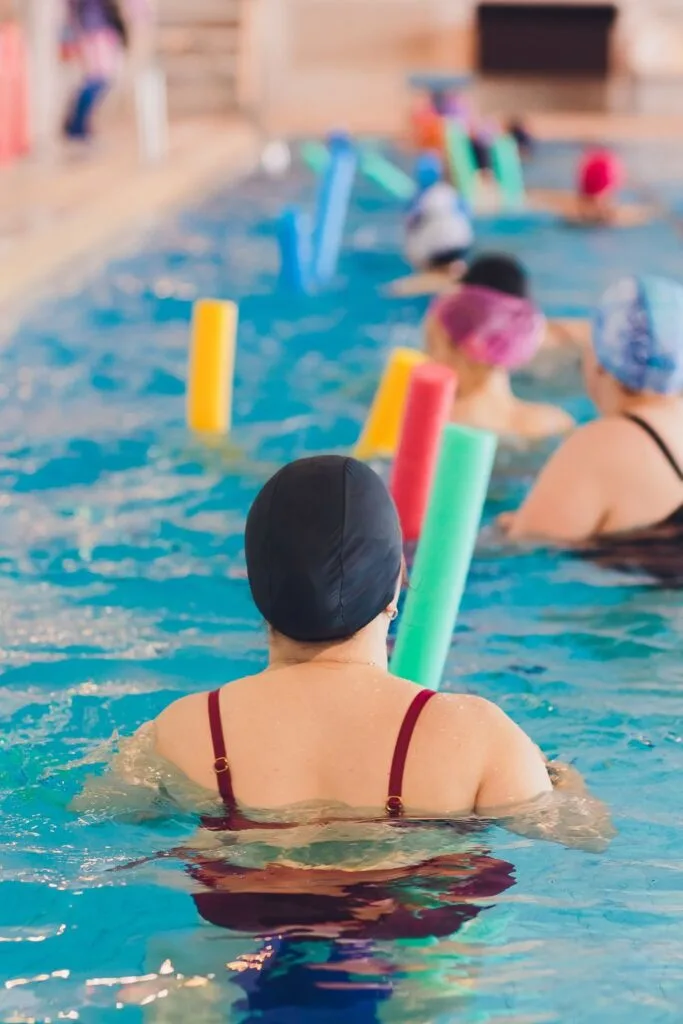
x,y
600,176
526,143
325,721
438,227
621,475
450,103
483,331
482,137
438,232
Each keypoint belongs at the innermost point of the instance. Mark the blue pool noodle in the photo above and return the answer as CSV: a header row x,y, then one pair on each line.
x,y
294,236
333,205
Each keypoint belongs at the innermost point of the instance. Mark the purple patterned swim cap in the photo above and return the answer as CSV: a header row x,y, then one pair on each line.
x,y
491,327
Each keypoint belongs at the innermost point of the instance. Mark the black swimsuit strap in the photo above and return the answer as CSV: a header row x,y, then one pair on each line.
x,y
661,444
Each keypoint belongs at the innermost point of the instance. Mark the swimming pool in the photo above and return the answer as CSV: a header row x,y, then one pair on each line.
x,y
122,587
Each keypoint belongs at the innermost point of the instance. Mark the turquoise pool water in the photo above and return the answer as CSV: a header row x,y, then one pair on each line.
x,y
121,587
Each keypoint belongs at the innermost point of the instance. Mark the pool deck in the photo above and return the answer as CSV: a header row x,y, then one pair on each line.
x,y
57,214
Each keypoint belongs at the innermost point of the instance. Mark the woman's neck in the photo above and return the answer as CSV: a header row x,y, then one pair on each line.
x,y
368,648
491,386
643,402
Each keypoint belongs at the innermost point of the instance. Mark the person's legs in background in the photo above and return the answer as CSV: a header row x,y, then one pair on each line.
x,y
78,124
99,53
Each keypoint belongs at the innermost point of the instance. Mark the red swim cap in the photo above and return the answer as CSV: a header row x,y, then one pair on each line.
x,y
600,172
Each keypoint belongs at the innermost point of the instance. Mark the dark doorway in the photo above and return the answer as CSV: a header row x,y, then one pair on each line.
x,y
550,38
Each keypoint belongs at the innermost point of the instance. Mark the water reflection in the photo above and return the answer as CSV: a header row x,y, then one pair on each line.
x,y
324,944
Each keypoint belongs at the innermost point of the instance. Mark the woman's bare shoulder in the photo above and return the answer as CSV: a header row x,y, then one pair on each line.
x,y
603,438
190,704
471,734
187,719
466,713
197,703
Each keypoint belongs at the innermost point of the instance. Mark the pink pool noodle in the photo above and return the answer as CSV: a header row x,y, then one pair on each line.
x,y
428,409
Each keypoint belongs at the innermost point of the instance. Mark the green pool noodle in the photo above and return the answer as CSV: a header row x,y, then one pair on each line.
x,y
385,174
444,554
315,155
461,159
507,167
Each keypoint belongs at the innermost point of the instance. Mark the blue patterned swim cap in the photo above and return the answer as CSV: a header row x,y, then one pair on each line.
x,y
638,334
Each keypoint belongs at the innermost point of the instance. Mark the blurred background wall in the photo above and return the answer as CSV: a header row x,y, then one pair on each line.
x,y
301,65
301,62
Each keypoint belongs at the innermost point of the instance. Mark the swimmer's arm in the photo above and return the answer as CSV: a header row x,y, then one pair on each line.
x,y
518,793
570,815
132,784
567,503
140,784
515,770
568,333
421,284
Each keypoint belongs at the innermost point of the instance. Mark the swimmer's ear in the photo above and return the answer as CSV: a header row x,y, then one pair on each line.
x,y
391,609
457,270
405,581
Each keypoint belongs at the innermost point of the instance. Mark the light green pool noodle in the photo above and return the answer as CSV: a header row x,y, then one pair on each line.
x,y
461,159
391,178
507,167
315,155
444,553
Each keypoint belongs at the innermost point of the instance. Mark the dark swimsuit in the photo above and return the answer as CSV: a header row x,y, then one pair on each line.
x,y
233,819
655,550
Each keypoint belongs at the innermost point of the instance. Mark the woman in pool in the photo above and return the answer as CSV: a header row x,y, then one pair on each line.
x,y
620,477
483,330
326,722
520,132
600,175
438,233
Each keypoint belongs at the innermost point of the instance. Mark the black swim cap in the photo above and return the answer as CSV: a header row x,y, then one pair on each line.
x,y
500,273
324,548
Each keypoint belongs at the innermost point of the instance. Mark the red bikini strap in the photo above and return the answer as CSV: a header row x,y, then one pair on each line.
x,y
220,764
394,805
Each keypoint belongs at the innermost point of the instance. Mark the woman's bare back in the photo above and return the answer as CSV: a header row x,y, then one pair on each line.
x,y
311,733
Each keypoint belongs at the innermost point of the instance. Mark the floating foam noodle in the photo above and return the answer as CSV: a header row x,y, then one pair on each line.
x,y
372,164
332,209
462,163
294,237
444,554
14,94
211,366
428,409
507,166
380,434
315,156
385,174
15,61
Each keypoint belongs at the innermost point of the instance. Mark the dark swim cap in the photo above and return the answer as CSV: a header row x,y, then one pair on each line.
x,y
324,548
500,273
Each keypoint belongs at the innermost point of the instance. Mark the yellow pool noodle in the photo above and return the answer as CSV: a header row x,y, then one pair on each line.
x,y
380,434
211,366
